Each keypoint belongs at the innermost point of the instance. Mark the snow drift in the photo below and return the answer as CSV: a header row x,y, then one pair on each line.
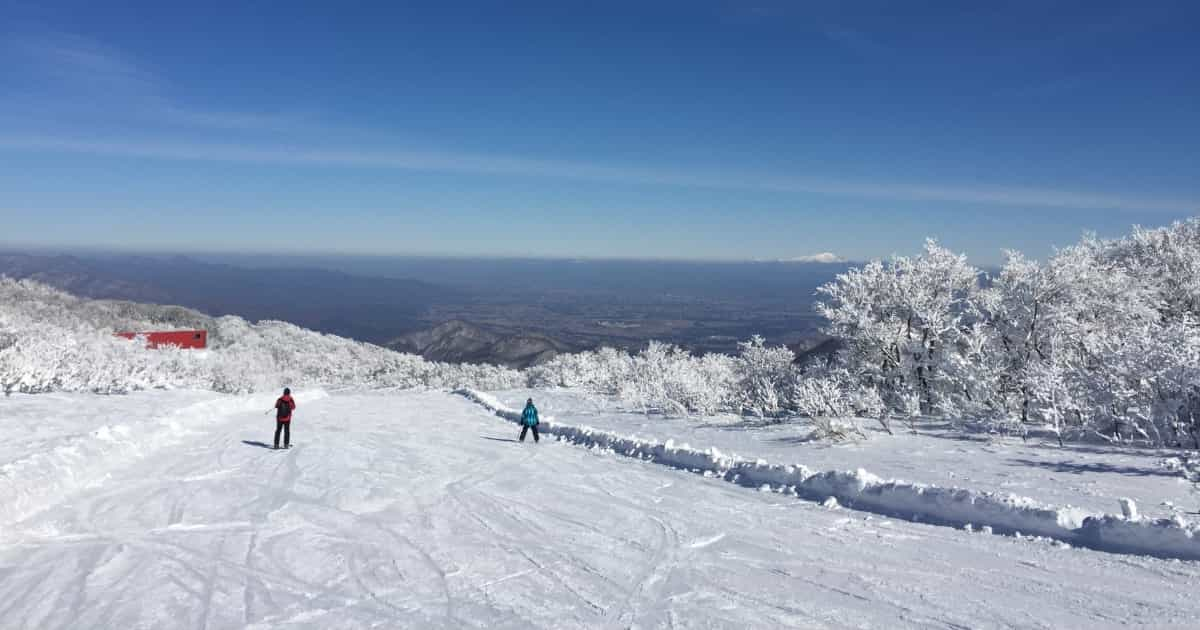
x,y
861,490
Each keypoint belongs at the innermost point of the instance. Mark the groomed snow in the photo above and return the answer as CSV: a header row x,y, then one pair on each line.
x,y
961,507
419,510
1093,477
60,443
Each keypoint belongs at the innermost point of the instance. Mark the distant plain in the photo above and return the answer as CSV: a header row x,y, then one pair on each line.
x,y
574,304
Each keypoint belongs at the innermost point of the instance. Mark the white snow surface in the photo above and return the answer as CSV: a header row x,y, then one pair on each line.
x,y
58,443
1092,477
1000,512
419,510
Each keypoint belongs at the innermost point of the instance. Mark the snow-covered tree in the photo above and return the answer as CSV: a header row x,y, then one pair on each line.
x,y
904,322
764,377
1018,309
1100,339
54,341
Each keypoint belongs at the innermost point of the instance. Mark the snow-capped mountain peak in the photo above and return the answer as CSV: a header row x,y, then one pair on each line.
x,y
821,257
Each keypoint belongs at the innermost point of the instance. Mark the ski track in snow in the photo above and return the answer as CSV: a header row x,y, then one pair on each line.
x,y
398,511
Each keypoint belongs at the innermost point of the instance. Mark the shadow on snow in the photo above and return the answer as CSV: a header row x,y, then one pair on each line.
x,y
1079,468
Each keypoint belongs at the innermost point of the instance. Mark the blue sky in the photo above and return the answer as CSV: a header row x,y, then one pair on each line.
x,y
717,130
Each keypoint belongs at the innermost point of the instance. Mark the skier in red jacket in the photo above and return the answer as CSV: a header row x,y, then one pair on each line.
x,y
283,418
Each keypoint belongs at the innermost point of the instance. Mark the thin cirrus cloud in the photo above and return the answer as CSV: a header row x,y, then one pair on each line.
x,y
483,164
64,75
855,41
58,64
54,65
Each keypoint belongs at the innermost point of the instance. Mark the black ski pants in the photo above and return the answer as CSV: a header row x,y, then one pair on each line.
x,y
525,428
286,427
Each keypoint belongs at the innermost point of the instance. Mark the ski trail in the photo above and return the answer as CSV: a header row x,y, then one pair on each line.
x,y
376,520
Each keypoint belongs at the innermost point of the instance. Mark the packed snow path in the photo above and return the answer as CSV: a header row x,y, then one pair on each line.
x,y
420,510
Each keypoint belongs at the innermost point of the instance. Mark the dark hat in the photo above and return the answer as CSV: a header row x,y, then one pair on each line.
x,y
287,391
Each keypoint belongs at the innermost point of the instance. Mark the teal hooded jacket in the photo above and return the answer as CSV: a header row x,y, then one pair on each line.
x,y
529,417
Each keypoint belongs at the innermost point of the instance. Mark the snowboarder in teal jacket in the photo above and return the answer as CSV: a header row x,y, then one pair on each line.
x,y
529,420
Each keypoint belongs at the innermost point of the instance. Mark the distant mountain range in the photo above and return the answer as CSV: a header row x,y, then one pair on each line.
x,y
385,311
514,312
461,342
359,307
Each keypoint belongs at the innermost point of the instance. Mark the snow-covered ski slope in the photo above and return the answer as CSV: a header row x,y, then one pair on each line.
x,y
1091,476
419,510
998,512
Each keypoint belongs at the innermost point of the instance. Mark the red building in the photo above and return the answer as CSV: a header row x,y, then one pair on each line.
x,y
193,339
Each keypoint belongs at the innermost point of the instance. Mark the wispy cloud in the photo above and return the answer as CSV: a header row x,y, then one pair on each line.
x,y
483,164
855,41
232,120
63,73
96,77
61,61
1060,85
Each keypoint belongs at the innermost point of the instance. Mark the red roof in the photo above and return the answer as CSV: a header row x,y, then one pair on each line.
x,y
194,339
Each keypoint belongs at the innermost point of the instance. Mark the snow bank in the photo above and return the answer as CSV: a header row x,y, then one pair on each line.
x,y
861,490
29,484
1165,538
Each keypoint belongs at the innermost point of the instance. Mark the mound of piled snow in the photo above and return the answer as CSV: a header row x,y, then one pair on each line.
x,y
860,490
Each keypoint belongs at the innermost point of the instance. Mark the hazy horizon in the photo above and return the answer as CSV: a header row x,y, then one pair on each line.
x,y
811,258
211,253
